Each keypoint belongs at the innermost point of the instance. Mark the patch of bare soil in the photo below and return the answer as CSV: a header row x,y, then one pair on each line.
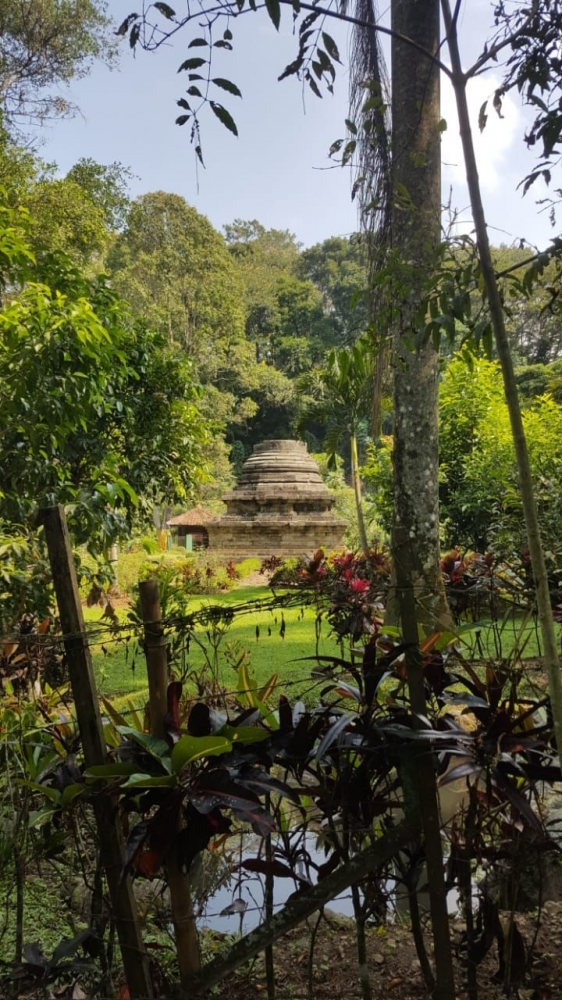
x,y
256,579
328,969
394,968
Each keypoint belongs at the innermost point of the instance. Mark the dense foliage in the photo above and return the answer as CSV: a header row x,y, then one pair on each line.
x,y
46,43
97,411
481,505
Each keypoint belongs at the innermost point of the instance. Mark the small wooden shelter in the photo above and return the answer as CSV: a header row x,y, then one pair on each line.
x,y
189,530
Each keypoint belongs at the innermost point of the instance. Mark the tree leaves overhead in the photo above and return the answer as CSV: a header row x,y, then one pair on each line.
x,y
193,63
224,116
227,85
274,11
530,36
315,62
331,47
127,24
165,10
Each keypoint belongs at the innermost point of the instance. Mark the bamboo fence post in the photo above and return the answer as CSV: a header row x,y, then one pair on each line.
x,y
78,657
155,647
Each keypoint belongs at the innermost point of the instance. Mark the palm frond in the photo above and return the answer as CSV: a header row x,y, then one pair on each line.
x,y
332,444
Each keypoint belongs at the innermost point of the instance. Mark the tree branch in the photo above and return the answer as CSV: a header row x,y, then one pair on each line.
x,y
229,11
552,251
302,906
372,26
492,52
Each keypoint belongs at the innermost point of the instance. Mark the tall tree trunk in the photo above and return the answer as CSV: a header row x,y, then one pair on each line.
x,y
356,479
444,987
416,236
551,657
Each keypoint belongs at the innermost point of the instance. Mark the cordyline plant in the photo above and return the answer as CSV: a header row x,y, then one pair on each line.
x,y
478,585
349,585
483,585
350,761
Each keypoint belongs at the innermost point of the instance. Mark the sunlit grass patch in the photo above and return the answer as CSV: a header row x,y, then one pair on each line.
x,y
277,642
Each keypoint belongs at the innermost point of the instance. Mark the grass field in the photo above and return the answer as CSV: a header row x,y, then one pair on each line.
x,y
514,634
120,667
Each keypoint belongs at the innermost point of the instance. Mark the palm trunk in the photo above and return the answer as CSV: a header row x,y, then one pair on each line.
x,y
358,497
551,657
416,237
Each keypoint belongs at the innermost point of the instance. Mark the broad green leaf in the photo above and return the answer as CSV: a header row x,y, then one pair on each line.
x,y
268,688
139,780
247,686
50,793
71,792
157,748
190,748
41,816
244,734
268,715
116,770
135,716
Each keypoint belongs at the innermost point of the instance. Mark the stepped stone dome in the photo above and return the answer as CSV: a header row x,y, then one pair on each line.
x,y
280,506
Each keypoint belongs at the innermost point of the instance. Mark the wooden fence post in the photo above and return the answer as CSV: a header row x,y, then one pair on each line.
x,y
155,647
156,653
78,658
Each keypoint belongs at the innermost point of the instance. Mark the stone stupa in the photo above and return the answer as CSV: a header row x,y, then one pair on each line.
x,y
280,506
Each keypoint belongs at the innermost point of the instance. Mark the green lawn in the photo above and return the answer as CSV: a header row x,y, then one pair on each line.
x,y
513,635
120,667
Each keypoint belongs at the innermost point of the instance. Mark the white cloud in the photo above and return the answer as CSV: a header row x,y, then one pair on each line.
x,y
494,146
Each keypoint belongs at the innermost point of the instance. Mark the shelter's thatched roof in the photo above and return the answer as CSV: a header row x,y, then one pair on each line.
x,y
195,518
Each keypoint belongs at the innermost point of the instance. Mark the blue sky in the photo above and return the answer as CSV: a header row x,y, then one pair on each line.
x,y
278,170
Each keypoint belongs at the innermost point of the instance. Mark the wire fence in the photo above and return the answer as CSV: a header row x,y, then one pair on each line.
x,y
212,619
198,640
